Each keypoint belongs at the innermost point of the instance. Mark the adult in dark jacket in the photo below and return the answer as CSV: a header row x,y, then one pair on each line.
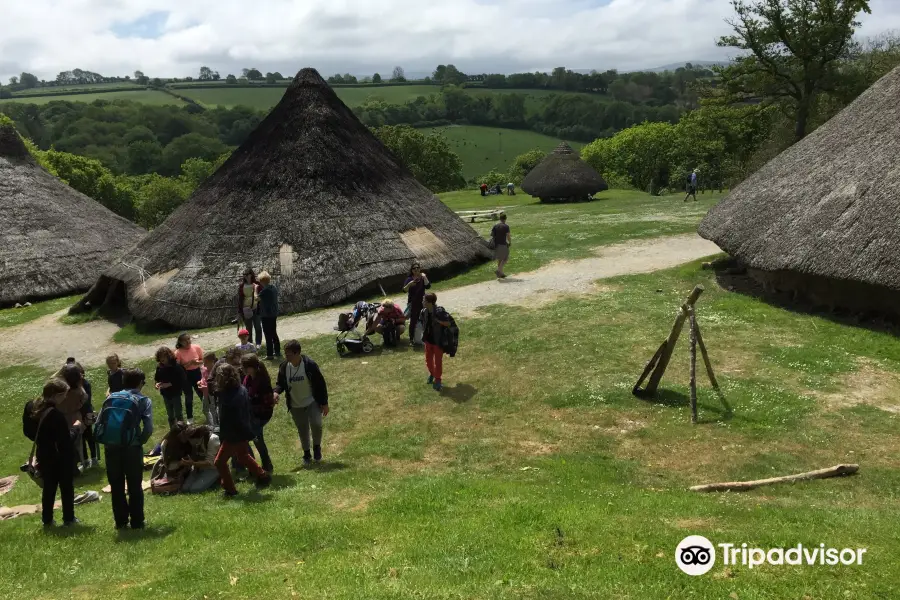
x,y
415,286
170,381
235,429
268,313
44,424
301,380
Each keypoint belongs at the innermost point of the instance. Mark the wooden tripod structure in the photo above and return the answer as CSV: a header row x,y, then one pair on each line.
x,y
660,360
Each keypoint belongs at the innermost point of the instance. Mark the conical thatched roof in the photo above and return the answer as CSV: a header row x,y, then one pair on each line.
x,y
828,206
54,240
562,174
312,197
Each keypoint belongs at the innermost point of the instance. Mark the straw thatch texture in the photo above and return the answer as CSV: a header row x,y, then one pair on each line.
x,y
312,197
563,175
53,240
821,218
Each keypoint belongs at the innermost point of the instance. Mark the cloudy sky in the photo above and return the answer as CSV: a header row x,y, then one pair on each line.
x,y
173,38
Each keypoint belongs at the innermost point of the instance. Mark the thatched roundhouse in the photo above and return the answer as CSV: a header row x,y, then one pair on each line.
x,y
312,197
820,220
54,240
563,177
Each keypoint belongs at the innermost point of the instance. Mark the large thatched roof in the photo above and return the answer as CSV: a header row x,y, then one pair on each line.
x,y
53,240
562,174
828,206
312,197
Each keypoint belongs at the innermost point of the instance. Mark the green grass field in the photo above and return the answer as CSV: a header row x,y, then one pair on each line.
x,y
100,87
484,148
266,98
142,95
535,475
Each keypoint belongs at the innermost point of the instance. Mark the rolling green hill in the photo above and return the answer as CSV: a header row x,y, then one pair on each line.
x,y
141,95
484,148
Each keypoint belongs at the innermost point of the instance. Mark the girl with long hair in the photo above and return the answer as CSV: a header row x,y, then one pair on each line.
x,y
415,285
170,381
248,305
262,403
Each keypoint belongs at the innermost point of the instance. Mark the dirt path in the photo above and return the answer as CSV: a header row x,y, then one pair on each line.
x,y
47,343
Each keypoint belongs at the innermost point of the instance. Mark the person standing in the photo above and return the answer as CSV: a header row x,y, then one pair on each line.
x,y
45,425
73,406
415,286
235,430
501,238
262,403
190,357
114,374
170,381
484,189
123,440
692,186
510,189
434,319
301,380
248,304
268,313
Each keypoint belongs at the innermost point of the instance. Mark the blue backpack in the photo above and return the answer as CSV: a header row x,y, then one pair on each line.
x,y
119,420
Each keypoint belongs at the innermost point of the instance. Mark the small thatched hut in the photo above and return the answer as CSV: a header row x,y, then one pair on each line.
x,y
820,220
312,197
563,177
53,240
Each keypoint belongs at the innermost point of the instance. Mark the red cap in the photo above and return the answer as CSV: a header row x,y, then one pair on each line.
x,y
243,332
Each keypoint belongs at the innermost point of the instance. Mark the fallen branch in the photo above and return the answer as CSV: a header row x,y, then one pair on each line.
x,y
740,486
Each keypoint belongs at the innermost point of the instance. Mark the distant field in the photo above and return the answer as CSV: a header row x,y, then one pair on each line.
x,y
100,87
484,148
266,98
146,96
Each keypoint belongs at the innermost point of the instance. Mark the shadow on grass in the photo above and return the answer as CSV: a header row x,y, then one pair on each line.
x,y
674,399
253,496
69,532
153,532
461,392
511,280
323,467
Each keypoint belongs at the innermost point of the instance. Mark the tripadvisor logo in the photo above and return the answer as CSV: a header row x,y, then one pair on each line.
x,y
696,555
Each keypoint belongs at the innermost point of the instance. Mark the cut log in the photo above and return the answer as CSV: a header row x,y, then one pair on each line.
x,y
741,486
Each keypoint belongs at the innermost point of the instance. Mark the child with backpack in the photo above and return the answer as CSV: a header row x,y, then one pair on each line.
x,y
302,383
124,425
440,335
170,381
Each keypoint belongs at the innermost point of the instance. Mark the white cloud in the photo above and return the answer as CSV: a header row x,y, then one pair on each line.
x,y
360,36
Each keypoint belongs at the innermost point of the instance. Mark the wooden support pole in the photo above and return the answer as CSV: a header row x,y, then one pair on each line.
x,y
670,342
710,374
636,390
693,324
741,486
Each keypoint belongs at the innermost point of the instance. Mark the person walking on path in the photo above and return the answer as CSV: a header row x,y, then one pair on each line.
x,y
692,186
190,357
235,430
434,319
262,403
125,462
301,380
501,238
170,381
45,425
268,313
248,304
414,286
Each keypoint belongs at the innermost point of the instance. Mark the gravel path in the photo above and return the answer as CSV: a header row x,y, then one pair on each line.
x,y
46,342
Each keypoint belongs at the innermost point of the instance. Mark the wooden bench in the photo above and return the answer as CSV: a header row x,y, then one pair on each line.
x,y
473,215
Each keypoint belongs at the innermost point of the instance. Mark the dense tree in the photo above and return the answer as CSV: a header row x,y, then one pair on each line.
x,y
231,79
429,157
158,198
140,78
191,145
28,81
144,156
91,178
448,75
794,48
398,75
13,80
642,153
523,165
253,74
376,78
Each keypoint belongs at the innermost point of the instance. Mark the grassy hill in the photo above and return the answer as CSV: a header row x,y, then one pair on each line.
x,y
484,148
141,95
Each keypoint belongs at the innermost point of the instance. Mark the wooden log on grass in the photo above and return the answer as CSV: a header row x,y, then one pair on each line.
x,y
741,486
670,342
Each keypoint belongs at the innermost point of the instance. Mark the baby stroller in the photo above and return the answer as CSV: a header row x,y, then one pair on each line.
x,y
349,340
